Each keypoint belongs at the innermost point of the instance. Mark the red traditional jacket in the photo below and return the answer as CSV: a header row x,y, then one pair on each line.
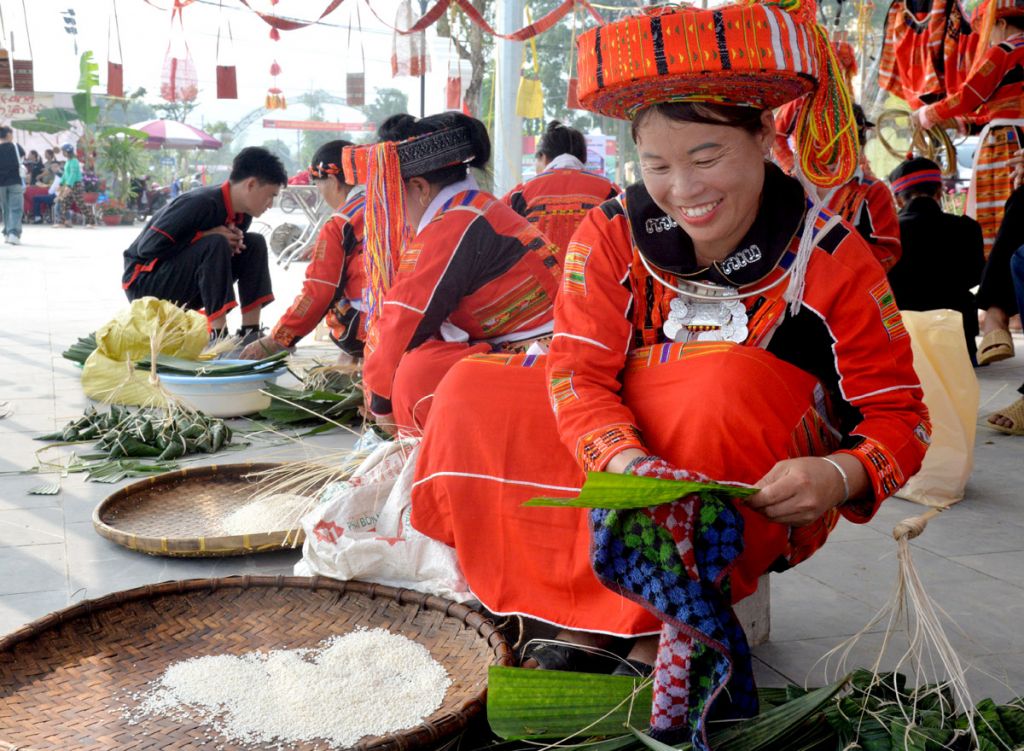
x,y
848,333
335,273
477,269
868,205
995,91
927,49
556,200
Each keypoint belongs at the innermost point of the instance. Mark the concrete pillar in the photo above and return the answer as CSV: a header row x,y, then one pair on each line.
x,y
507,153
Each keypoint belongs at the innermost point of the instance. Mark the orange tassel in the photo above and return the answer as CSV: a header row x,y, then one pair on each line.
x,y
385,230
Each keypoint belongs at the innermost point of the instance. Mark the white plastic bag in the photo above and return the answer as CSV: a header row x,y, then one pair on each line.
x,y
951,396
362,531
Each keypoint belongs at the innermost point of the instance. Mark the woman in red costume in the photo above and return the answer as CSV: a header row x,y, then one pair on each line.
x,y
713,321
562,193
994,94
474,278
333,287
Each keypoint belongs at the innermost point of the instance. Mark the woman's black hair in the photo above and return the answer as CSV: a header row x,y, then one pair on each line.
x,y
1016,22
402,126
560,139
330,153
747,118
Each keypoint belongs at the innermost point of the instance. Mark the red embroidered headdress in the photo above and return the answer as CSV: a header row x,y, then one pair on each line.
x,y
752,54
1007,8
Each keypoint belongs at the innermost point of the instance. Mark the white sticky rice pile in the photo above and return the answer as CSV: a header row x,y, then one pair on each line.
x,y
368,682
274,513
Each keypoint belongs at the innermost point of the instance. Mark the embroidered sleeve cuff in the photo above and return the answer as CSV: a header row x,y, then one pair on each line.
x,y
885,476
595,449
379,405
285,337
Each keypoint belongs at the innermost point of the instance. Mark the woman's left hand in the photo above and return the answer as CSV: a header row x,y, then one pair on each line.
x,y
262,347
796,492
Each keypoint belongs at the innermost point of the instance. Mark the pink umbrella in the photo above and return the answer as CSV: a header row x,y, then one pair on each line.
x,y
170,134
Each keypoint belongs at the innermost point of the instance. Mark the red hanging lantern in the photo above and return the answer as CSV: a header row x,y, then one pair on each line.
x,y
572,99
355,80
179,81
227,80
275,97
115,71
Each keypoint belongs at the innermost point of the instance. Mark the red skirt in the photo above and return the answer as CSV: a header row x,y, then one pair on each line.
x,y
726,410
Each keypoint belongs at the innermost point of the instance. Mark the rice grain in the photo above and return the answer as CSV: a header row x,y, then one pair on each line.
x,y
367,682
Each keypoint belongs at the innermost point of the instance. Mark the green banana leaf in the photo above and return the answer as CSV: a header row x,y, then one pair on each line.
x,y
614,491
523,703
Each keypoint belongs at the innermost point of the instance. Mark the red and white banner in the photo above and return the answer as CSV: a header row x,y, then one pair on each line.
x,y
318,125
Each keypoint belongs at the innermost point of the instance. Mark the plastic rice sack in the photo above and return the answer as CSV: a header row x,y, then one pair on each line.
x,y
110,376
362,531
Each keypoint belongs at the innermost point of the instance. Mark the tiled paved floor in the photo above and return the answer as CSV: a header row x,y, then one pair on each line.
x,y
61,284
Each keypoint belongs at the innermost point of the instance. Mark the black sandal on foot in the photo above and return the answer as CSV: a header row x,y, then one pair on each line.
x,y
634,669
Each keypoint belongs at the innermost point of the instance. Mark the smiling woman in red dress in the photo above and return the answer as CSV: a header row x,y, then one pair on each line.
x,y
713,321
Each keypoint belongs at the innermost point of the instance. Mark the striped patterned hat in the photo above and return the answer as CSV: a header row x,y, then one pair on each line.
x,y
753,54
915,173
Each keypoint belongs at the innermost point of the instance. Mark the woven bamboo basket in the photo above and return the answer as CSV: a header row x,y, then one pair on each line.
x,y
67,679
180,514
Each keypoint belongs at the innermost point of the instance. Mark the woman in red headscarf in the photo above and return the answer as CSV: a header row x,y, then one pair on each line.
x,y
713,322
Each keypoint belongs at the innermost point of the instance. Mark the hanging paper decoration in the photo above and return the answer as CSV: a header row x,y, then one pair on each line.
x,y
530,30
453,88
179,82
530,97
6,82
408,51
227,81
5,69
572,99
115,71
275,97
278,25
355,80
22,69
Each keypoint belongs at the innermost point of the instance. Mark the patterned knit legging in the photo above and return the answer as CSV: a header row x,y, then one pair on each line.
x,y
75,200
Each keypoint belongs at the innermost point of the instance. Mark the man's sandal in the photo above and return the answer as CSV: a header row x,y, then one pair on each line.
x,y
553,657
634,669
996,345
1014,413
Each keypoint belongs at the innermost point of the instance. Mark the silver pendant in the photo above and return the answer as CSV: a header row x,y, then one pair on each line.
x,y
706,320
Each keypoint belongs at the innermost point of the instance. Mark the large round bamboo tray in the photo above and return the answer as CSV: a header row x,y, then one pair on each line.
x,y
67,678
180,514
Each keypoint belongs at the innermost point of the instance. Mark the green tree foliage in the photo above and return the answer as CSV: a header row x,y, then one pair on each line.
x,y
179,110
314,139
472,44
280,149
386,103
